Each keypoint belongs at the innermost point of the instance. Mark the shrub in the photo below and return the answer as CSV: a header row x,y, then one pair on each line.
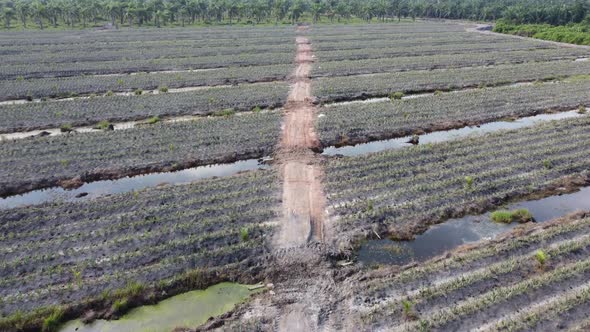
x,y
163,89
582,109
256,109
109,93
396,95
138,92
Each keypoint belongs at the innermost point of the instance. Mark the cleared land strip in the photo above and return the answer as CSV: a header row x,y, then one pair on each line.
x,y
91,111
43,162
401,192
303,200
133,247
351,124
64,87
500,282
383,85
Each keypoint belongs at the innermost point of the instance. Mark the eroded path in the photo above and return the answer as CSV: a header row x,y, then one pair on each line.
x,y
303,198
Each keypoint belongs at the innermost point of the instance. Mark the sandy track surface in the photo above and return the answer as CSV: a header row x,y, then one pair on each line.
x,y
303,198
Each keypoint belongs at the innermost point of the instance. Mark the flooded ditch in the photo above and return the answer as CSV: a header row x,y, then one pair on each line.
x,y
109,187
185,310
441,136
455,232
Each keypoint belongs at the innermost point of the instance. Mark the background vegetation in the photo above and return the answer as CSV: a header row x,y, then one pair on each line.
x,y
41,14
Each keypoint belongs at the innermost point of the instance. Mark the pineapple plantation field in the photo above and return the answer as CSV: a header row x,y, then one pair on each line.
x,y
319,164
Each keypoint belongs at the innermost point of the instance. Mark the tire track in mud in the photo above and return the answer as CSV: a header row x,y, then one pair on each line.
x,y
303,197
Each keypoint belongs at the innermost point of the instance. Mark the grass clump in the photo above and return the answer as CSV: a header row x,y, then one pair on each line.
x,y
109,93
226,112
256,109
507,217
138,92
120,305
52,322
396,95
469,182
244,234
541,257
66,128
103,125
547,164
163,89
582,109
408,309
153,120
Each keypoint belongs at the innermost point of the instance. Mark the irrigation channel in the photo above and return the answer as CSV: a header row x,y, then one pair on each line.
x,y
456,232
446,135
102,188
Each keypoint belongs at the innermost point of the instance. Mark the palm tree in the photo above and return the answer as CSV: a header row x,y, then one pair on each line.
x,y
38,12
23,10
8,14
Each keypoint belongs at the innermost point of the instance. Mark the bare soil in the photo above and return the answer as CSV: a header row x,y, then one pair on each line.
x,y
303,198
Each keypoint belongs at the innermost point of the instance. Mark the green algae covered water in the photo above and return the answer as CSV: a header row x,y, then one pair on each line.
x,y
184,310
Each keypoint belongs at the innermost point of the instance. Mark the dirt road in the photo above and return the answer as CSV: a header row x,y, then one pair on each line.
x,y
303,198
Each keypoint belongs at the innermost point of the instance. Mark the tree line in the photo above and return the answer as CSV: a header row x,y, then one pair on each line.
x,y
84,13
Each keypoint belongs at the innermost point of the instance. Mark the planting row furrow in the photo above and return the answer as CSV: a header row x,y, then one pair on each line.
x,y
380,85
135,230
407,50
473,282
378,171
39,70
42,162
441,61
91,111
483,172
87,85
125,52
523,279
350,124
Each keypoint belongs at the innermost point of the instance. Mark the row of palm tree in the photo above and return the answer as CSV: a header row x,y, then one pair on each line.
x,y
81,13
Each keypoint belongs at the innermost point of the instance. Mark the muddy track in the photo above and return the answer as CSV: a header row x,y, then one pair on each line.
x,y
303,198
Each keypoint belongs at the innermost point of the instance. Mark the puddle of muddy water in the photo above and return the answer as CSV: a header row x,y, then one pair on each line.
x,y
441,136
185,310
456,232
101,188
